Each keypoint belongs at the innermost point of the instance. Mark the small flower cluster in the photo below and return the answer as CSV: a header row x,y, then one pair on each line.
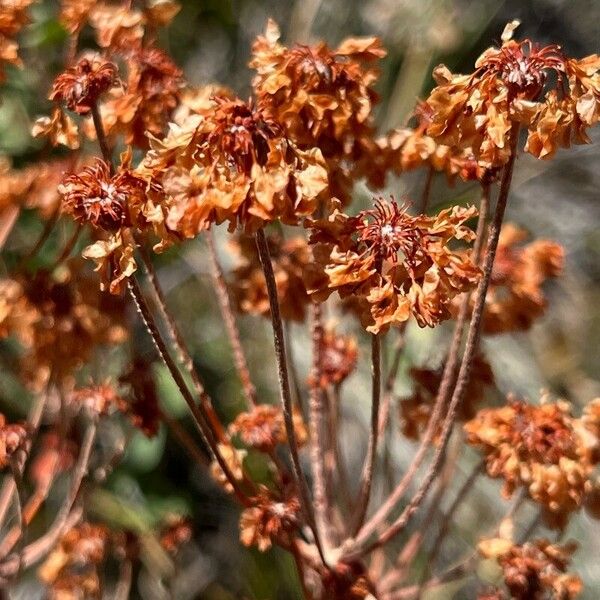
x,y
392,265
543,449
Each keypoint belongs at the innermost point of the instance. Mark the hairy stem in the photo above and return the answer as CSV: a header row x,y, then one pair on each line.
x,y
468,355
239,357
284,385
367,472
316,423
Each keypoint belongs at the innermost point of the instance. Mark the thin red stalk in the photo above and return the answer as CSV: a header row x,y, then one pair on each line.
x,y
101,135
316,424
177,340
200,420
468,355
442,397
239,357
66,252
284,385
368,468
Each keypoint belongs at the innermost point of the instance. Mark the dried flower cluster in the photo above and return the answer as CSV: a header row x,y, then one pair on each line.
x,y
392,265
542,448
279,172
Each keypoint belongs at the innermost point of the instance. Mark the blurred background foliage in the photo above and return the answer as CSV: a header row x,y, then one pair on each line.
x,y
211,39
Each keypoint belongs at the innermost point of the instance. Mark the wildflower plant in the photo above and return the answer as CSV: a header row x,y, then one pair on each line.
x,y
149,162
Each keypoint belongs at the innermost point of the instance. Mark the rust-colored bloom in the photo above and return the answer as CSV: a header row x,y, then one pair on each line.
x,y
81,86
234,164
142,404
12,437
13,17
542,448
392,264
269,519
337,358
73,567
60,318
175,532
534,570
104,200
515,298
145,103
322,97
263,428
415,411
510,85
98,400
289,258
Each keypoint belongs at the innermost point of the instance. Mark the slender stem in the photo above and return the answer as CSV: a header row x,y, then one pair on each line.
x,y
367,473
201,422
316,424
101,135
284,385
446,520
469,352
177,340
443,395
66,252
233,333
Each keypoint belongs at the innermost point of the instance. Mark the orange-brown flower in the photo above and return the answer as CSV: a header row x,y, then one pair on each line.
x,y
104,200
534,570
515,298
145,103
234,164
81,86
13,17
234,459
98,400
248,285
415,411
270,518
59,128
175,532
322,97
263,428
391,263
542,448
60,318
510,86
337,358
12,437
72,569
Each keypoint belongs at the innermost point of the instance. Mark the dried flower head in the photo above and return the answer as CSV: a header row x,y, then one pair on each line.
x,y
104,200
175,532
62,321
510,87
515,298
72,568
289,258
13,17
337,358
145,103
263,428
269,519
415,411
98,400
234,164
81,86
12,437
534,570
391,263
322,97
542,448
